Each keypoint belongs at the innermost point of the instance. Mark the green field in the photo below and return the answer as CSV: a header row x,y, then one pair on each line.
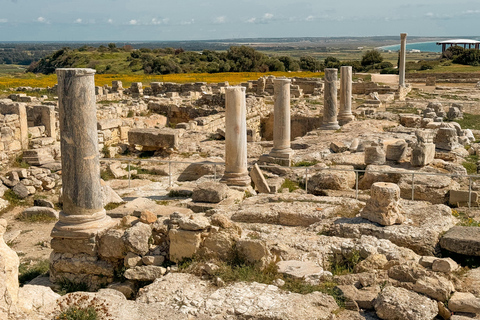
x,y
11,68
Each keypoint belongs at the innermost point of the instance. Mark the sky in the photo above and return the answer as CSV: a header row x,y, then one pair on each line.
x,y
159,20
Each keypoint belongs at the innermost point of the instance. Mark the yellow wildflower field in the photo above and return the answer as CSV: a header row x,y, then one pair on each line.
x,y
233,78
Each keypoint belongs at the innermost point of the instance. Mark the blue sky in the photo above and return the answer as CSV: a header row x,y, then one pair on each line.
x,y
157,20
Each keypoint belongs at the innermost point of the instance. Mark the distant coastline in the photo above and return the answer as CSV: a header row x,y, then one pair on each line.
x,y
430,46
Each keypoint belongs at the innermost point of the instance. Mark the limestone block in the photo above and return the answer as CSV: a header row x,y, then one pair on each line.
x,y
131,260
197,170
444,265
437,288
422,154
105,124
332,180
40,212
193,223
460,198
21,190
153,260
111,245
463,240
183,244
383,206
454,113
375,155
36,298
338,146
398,303
299,269
259,180
212,192
148,217
397,151
255,251
145,273
9,263
464,302
136,238
154,138
446,139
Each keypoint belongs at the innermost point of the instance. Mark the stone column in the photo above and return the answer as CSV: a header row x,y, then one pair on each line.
x,y
345,113
281,119
236,173
330,100
401,67
83,215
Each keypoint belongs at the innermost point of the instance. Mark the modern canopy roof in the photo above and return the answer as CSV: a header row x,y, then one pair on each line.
x,y
458,41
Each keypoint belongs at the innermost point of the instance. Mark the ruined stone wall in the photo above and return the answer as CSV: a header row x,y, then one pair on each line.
x,y
369,87
13,129
459,77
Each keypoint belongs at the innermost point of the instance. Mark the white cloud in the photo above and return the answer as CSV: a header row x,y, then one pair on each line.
x,y
156,21
42,20
267,16
3,20
471,12
252,20
429,14
221,19
78,20
310,18
110,20
133,22
184,23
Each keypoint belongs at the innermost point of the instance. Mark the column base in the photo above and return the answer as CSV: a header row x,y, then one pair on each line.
x,y
283,161
236,179
330,126
343,119
82,226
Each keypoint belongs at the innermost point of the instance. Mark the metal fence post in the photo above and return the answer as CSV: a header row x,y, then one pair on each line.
x,y
169,173
413,186
129,173
356,184
306,179
469,192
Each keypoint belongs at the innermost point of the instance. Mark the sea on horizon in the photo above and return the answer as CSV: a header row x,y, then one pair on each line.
x,y
422,46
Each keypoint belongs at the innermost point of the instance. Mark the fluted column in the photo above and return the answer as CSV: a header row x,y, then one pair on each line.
x,y
330,100
401,67
281,120
83,214
236,172
345,113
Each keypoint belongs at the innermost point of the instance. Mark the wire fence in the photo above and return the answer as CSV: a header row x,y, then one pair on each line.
x,y
308,170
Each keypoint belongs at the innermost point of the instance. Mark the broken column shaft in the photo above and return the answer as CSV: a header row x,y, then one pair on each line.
x,y
330,100
401,67
236,173
281,118
345,113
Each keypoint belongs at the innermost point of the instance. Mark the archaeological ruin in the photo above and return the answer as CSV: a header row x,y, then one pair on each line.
x,y
276,198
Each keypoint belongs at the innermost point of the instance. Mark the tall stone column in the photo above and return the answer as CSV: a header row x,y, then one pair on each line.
x,y
281,120
345,113
83,218
83,214
236,173
330,100
401,67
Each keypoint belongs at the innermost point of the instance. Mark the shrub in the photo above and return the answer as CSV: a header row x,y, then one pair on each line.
x,y
371,57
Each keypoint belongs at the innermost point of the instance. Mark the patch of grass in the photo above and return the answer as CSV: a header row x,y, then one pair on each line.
x,y
130,114
27,271
465,220
162,202
344,265
177,194
37,218
18,162
291,185
143,171
470,164
78,313
67,286
106,175
469,121
305,163
113,205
